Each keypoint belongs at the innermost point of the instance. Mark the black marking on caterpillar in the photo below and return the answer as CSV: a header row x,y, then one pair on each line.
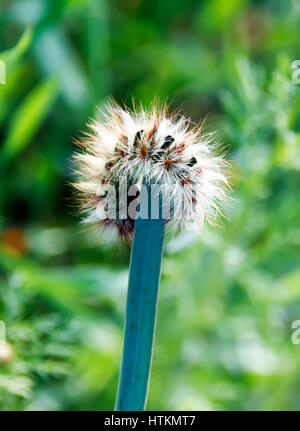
x,y
192,162
138,138
168,141
158,155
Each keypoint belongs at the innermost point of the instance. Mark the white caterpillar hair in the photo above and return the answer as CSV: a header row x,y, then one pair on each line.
x,y
166,149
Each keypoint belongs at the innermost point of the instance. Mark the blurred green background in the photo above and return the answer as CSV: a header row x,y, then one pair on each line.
x,y
226,302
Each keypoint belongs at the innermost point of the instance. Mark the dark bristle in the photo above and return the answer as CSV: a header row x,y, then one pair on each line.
x,y
168,141
180,148
126,228
152,132
153,141
168,163
192,162
138,138
143,151
109,164
158,155
124,139
120,152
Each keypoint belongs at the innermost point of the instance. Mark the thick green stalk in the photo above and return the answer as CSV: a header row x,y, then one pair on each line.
x,y
145,267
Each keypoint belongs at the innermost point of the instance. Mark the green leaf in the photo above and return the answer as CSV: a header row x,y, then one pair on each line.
x,y
29,117
12,55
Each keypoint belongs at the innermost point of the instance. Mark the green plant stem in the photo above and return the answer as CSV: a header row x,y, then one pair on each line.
x,y
144,276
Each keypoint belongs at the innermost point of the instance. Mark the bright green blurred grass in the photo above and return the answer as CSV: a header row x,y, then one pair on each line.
x,y
226,302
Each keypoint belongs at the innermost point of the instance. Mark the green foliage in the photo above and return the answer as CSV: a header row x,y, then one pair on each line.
x,y
29,116
226,302
12,55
